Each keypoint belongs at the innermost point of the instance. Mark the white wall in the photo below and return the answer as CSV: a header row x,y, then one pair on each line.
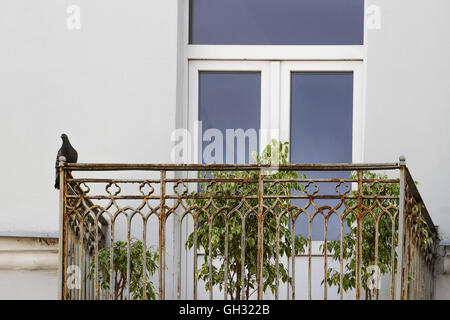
x,y
28,285
442,272
111,86
408,101
28,268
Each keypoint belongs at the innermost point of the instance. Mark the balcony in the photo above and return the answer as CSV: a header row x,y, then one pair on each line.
x,y
297,231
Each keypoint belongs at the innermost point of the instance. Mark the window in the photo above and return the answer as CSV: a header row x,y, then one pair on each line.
x,y
316,105
321,110
292,69
230,99
277,22
230,104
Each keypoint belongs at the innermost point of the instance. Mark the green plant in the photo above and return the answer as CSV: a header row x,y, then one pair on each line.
x,y
232,215
367,236
368,231
120,269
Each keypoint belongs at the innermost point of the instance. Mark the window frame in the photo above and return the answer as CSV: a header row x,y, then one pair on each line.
x,y
197,66
337,57
355,67
275,120
286,50
271,52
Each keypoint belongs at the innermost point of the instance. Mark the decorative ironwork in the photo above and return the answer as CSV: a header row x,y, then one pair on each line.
x,y
91,208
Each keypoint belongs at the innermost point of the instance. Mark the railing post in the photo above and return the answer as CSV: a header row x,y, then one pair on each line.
x,y
401,231
62,231
162,238
358,237
259,268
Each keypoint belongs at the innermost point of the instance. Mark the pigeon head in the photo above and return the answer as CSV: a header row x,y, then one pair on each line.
x,y
64,137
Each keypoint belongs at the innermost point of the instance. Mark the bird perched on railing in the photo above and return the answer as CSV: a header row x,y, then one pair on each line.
x,y
66,151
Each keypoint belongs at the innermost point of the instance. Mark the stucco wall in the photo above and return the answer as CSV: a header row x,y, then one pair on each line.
x,y
28,285
408,101
442,287
28,268
111,86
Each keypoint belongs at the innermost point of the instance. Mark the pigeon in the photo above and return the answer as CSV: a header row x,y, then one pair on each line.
x,y
66,151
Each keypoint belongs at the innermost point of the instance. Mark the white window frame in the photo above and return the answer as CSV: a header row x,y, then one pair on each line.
x,y
195,67
297,57
276,96
356,67
271,52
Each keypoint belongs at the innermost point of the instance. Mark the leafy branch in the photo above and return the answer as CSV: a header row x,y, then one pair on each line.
x,y
120,270
244,206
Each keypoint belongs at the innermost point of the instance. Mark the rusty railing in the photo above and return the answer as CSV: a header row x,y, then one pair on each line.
x,y
356,230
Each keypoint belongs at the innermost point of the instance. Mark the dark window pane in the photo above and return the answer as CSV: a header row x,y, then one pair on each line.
x,y
321,132
321,117
277,22
230,100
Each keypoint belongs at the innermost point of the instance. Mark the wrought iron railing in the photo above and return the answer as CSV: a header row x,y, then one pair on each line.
x,y
180,214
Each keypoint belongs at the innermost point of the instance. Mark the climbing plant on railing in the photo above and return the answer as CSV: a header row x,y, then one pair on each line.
x,y
235,210
386,211
368,226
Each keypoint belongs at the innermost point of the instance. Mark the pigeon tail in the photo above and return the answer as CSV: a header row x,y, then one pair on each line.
x,y
57,181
